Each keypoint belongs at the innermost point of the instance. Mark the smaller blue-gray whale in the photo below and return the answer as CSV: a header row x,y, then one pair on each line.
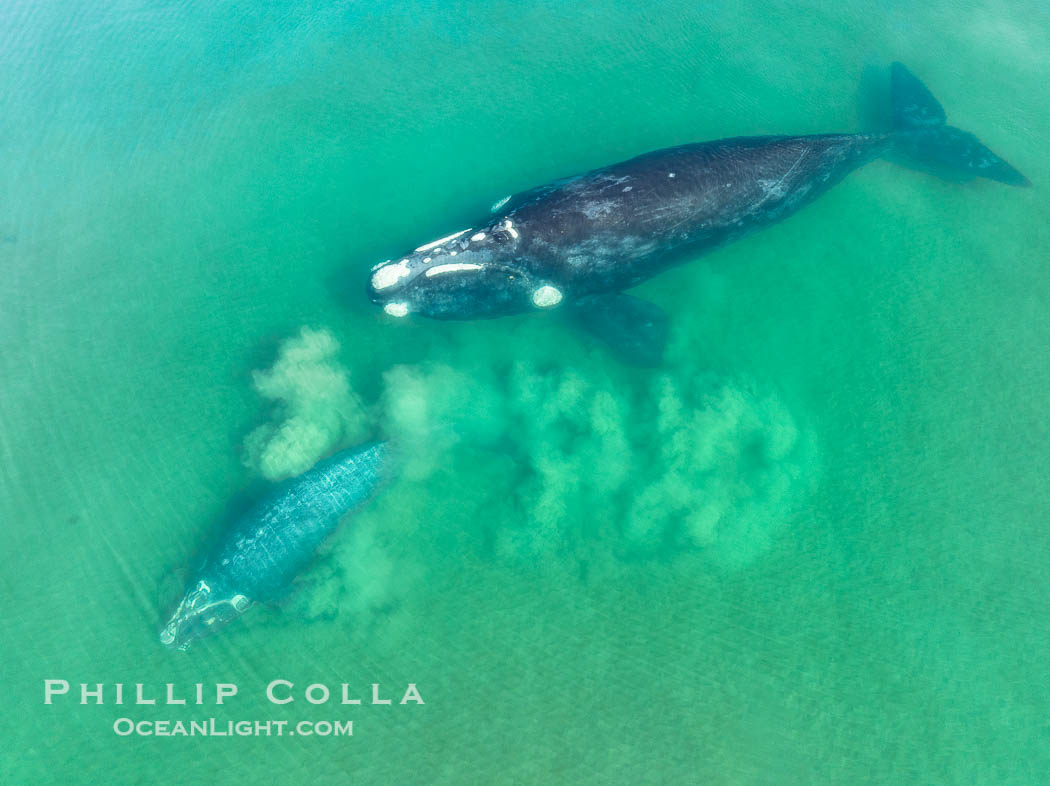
x,y
256,558
580,242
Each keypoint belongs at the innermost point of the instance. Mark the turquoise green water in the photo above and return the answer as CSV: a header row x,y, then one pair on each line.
x,y
810,547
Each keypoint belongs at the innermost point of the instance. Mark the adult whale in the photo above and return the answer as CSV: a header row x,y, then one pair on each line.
x,y
583,240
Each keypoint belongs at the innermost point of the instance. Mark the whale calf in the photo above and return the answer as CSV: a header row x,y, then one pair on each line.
x,y
581,241
256,558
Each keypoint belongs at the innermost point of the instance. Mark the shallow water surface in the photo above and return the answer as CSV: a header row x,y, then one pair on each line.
x,y
810,546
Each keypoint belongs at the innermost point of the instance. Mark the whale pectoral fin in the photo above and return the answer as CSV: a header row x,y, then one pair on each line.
x,y
634,329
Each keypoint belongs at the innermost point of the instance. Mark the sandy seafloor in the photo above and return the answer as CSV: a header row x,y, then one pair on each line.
x,y
812,547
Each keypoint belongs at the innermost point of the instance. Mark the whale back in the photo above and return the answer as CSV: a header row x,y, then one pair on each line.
x,y
614,227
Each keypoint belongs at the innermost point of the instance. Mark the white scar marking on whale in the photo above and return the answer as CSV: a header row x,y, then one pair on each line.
x,y
396,309
670,174
439,241
595,210
500,203
547,296
388,275
439,269
771,188
775,188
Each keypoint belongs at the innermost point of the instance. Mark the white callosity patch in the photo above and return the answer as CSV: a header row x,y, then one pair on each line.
x,y
388,275
547,296
452,267
509,226
499,203
442,241
396,309
478,236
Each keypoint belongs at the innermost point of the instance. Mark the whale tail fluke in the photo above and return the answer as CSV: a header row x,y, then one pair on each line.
x,y
924,138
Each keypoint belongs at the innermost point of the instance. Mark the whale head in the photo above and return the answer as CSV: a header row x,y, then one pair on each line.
x,y
201,612
471,274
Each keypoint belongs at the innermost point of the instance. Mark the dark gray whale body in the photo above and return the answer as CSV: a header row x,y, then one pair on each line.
x,y
256,558
582,241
